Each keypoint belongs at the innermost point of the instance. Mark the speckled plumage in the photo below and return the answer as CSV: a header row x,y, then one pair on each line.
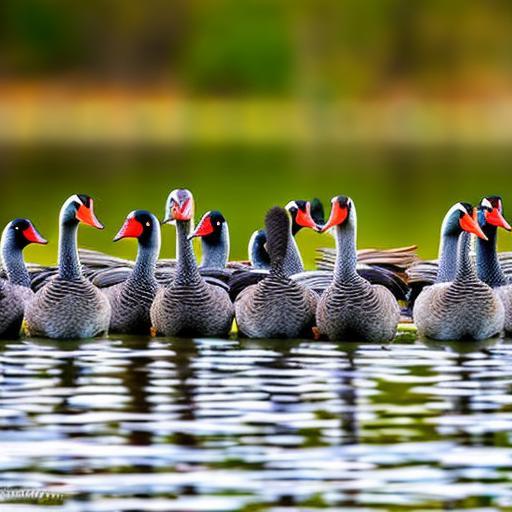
x,y
351,308
15,291
466,308
68,305
68,309
276,307
131,299
189,306
13,299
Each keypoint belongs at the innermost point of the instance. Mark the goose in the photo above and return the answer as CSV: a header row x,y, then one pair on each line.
x,y
301,213
69,306
15,290
188,305
131,299
214,233
466,307
276,307
352,308
489,269
456,220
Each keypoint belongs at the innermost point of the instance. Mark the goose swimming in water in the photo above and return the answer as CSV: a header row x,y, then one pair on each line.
x,y
465,308
131,299
69,305
276,307
15,291
489,270
189,306
352,308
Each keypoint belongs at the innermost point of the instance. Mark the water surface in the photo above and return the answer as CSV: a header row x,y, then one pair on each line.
x,y
208,424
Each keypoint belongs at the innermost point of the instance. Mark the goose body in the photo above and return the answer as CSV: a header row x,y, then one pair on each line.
x,y
489,269
465,308
131,299
276,307
351,308
189,306
69,306
15,291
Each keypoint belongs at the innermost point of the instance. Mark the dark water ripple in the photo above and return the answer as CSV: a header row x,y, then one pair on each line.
x,y
156,424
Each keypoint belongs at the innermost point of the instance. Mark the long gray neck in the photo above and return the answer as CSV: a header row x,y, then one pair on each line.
x,y
186,268
346,254
447,258
69,264
465,267
487,264
147,256
292,263
216,253
15,267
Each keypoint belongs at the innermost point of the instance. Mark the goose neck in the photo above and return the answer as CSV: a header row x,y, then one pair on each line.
x,y
447,258
487,263
465,267
215,252
346,253
12,257
69,263
186,268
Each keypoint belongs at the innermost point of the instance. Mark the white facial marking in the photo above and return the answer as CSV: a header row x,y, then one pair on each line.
x,y
486,203
290,205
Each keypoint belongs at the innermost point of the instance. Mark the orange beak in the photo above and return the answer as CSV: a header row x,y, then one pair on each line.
x,y
304,219
33,236
182,211
496,219
204,228
338,216
86,215
470,224
131,228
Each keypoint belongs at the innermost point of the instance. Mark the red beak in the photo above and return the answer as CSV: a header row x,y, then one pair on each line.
x,y
495,218
470,224
304,219
182,211
338,216
33,236
204,227
86,215
131,228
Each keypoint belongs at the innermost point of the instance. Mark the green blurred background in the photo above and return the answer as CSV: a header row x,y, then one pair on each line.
x,y
405,106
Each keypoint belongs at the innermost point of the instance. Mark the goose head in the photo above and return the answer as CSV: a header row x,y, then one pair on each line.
x,y
179,206
490,211
461,217
210,227
300,213
19,233
142,225
341,207
79,208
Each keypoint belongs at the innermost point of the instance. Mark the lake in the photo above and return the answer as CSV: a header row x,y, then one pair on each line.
x,y
208,424
401,193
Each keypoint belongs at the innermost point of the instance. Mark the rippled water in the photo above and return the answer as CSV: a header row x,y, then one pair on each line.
x,y
160,424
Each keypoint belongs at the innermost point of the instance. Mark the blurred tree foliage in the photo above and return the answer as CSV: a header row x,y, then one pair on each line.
x,y
322,48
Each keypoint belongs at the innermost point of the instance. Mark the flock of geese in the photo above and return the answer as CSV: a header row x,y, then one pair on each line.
x,y
353,295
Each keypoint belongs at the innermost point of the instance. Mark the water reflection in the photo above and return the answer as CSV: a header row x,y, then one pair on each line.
x,y
129,423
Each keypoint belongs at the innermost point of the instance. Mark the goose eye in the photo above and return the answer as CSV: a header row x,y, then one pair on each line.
x,y
148,223
218,223
16,227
